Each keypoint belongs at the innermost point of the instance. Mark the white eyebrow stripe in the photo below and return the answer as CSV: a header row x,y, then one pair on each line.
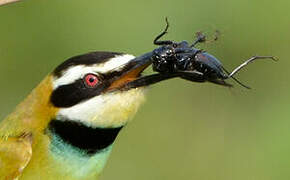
x,y
77,72
114,63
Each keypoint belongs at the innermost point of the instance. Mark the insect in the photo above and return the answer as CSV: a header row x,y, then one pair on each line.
x,y
181,59
191,63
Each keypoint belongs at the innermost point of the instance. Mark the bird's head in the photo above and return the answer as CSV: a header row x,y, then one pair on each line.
x,y
90,89
92,98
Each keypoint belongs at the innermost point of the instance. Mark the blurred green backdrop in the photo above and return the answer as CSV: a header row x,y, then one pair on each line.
x,y
184,130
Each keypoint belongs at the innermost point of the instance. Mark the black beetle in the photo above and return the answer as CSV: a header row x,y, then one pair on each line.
x,y
191,63
180,59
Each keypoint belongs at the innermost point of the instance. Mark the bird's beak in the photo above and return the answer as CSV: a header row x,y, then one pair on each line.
x,y
131,75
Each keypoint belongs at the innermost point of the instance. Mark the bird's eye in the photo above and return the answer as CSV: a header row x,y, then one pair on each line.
x,y
91,80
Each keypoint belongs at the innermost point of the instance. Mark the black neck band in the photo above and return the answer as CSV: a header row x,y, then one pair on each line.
x,y
91,140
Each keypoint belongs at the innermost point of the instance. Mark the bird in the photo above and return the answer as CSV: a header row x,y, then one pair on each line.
x,y
66,127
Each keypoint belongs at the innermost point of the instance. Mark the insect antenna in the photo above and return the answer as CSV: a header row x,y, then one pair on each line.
x,y
249,61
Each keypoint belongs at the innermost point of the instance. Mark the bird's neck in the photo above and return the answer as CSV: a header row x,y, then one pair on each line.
x,y
33,114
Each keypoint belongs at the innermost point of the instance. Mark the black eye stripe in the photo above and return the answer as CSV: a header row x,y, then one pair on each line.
x,y
78,91
72,94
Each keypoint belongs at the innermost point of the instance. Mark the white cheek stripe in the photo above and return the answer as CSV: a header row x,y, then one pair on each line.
x,y
77,72
107,110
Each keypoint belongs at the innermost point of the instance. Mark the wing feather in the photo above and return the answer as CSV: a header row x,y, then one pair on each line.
x,y
15,154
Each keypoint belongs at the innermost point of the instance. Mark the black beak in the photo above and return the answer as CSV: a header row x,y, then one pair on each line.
x,y
139,64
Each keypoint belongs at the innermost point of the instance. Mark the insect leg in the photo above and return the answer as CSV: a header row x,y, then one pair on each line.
x,y
149,80
216,35
196,76
156,40
236,70
200,38
220,82
193,76
249,61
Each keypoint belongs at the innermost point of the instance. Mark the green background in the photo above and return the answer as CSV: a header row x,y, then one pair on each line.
x,y
184,130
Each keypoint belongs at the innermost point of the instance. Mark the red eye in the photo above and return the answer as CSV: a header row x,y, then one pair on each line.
x,y
91,80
